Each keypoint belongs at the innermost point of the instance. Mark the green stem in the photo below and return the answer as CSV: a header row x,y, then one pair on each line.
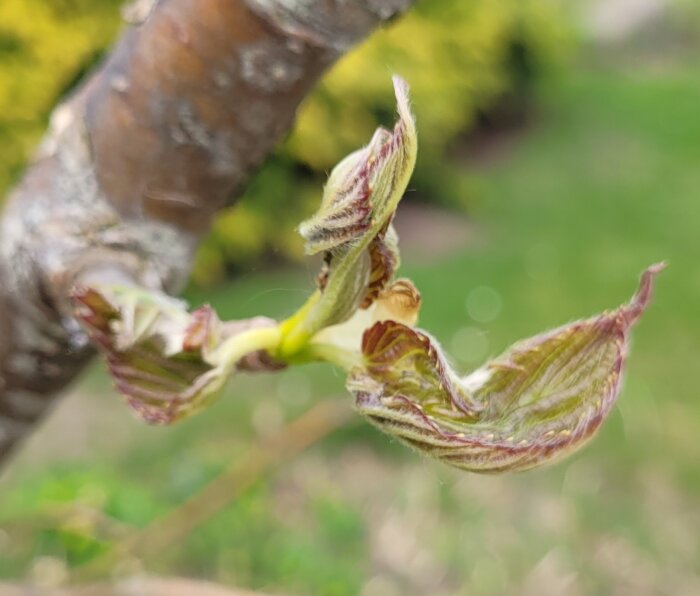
x,y
294,332
247,342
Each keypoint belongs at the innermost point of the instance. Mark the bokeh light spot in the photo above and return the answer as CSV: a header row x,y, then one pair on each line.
x,y
484,304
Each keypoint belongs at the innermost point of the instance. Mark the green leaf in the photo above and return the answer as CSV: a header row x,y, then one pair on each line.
x,y
365,188
352,228
541,400
168,363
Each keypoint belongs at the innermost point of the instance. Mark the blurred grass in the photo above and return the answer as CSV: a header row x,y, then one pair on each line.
x,y
603,184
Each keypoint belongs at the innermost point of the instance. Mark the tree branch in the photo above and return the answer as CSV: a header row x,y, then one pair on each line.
x,y
137,162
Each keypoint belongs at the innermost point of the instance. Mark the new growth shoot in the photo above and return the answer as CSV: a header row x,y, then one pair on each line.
x,y
542,399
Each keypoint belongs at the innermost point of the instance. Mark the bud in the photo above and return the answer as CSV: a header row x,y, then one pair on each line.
x,y
400,302
541,400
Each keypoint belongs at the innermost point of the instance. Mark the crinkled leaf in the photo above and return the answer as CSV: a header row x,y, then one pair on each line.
x,y
384,260
167,363
364,189
542,399
155,350
352,228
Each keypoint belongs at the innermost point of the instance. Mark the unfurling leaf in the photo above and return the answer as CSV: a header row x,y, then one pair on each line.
x,y
541,400
352,228
364,189
167,363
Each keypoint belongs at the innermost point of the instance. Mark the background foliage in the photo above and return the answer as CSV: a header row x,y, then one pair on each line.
x,y
464,57
45,47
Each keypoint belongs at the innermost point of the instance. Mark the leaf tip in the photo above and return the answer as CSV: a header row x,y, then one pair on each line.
x,y
636,307
403,107
401,90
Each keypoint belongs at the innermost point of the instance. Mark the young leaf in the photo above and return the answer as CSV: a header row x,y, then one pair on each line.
x,y
365,188
168,363
353,227
539,401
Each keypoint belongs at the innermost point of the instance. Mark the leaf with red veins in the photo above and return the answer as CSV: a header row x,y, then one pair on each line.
x,y
167,363
384,261
352,227
541,400
364,189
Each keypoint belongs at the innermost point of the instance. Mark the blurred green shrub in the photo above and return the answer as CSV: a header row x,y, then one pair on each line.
x,y
69,514
45,46
458,55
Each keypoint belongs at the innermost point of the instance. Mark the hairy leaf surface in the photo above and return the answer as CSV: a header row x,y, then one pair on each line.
x,y
542,399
